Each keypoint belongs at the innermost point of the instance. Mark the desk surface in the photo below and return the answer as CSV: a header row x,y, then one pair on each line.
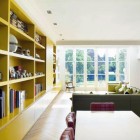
x,y
107,125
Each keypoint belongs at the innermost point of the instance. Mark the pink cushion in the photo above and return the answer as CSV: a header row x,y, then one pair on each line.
x,y
102,106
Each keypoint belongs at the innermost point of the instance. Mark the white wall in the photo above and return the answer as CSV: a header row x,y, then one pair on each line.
x,y
61,56
134,66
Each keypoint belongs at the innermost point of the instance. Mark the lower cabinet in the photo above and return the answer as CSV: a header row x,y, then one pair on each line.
x,y
17,128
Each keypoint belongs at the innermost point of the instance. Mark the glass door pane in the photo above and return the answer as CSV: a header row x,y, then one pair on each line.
x,y
79,67
111,64
69,65
101,67
122,64
90,67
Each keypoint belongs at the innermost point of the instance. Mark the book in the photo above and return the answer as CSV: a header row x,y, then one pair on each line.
x,y
2,95
11,101
38,88
22,99
17,99
1,107
22,96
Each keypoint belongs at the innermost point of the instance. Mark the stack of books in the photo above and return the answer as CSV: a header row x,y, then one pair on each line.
x,y
38,88
17,99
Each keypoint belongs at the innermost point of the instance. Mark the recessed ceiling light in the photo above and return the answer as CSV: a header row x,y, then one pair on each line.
x,y
62,39
49,11
55,23
60,34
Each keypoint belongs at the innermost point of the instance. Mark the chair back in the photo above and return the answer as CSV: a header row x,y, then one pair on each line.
x,y
68,134
64,137
71,120
102,106
69,85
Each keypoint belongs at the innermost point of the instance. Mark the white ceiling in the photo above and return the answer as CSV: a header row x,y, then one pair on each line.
x,y
86,20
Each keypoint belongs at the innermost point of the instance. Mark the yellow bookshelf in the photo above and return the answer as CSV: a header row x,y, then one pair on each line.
x,y
39,62
16,124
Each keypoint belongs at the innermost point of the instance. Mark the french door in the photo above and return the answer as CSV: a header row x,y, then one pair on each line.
x,y
92,69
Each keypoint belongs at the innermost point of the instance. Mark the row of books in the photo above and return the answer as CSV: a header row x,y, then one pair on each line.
x,y
38,88
2,103
17,99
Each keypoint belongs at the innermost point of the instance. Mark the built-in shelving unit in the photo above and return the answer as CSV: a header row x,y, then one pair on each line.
x,y
34,84
56,82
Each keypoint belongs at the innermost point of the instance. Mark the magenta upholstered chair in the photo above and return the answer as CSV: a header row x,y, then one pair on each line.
x,y
102,106
68,134
64,137
71,120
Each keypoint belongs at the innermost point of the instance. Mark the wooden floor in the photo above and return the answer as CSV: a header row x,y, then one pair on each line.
x,y
52,122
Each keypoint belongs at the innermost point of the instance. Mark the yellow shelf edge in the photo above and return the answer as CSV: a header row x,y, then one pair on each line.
x,y
20,56
21,33
38,76
39,45
3,22
20,80
39,60
39,95
4,83
3,52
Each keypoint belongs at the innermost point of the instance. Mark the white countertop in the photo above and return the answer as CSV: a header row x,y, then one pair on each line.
x,y
107,125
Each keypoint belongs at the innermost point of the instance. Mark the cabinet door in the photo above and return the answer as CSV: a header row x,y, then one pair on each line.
x,y
38,109
17,129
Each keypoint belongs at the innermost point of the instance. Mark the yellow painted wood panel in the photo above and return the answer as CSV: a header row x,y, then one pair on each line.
x,y
4,9
19,127
49,66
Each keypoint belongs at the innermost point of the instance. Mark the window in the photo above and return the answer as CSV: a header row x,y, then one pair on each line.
x,y
95,66
69,65
90,66
112,64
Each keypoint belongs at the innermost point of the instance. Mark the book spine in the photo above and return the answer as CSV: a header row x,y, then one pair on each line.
x,y
3,93
1,107
11,100
15,97
18,99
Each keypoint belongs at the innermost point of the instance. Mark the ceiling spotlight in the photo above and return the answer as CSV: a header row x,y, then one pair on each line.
x,y
62,39
49,11
60,34
55,23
